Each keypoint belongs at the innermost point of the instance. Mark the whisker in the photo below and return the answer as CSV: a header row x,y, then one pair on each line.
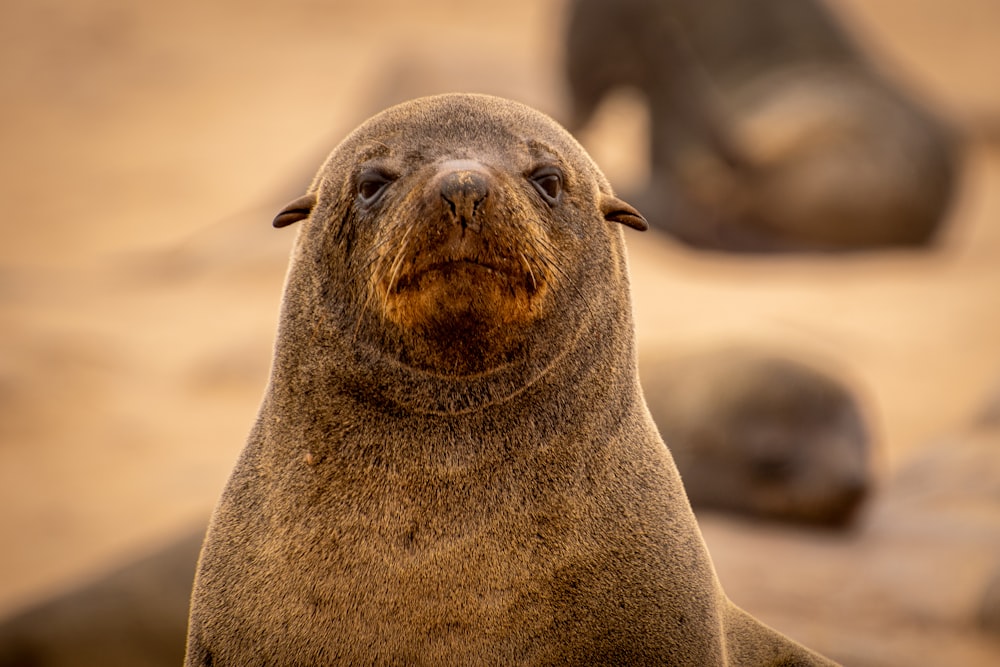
x,y
549,259
400,257
527,265
372,278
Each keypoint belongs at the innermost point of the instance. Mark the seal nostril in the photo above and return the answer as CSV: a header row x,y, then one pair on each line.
x,y
465,190
475,204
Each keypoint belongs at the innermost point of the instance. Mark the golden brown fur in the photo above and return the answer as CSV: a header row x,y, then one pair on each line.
x,y
418,491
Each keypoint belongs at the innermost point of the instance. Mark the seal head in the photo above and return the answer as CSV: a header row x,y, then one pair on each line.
x,y
465,241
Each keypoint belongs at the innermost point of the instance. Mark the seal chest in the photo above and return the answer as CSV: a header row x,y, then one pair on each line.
x,y
453,462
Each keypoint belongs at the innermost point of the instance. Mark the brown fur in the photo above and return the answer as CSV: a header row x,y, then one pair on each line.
x,y
770,129
761,434
416,491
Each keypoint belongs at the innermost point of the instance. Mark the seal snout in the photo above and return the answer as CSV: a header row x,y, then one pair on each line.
x,y
463,246
464,185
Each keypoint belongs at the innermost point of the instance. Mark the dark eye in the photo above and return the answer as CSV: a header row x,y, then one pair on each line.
x,y
548,181
371,185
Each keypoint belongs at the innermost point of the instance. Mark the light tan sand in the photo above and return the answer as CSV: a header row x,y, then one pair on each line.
x,y
147,145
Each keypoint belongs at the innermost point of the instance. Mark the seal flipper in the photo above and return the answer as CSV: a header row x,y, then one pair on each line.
x,y
616,210
750,642
298,209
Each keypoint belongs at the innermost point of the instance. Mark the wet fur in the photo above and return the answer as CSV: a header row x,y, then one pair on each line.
x,y
427,495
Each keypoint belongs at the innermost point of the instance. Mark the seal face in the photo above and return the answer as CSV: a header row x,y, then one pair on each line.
x,y
466,252
455,236
453,463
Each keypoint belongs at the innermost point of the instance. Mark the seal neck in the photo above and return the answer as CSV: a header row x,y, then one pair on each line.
x,y
593,352
569,409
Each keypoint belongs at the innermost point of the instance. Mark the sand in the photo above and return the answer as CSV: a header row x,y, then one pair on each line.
x,y
147,146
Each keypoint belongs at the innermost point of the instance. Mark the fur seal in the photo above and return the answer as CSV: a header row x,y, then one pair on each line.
x,y
989,414
762,434
770,129
988,615
134,615
453,462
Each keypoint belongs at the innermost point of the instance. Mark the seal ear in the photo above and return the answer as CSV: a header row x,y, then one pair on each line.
x,y
616,210
296,210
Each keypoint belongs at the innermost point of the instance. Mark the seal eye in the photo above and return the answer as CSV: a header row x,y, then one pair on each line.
x,y
548,182
371,185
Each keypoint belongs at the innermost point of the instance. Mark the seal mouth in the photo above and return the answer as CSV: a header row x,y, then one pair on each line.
x,y
468,270
466,292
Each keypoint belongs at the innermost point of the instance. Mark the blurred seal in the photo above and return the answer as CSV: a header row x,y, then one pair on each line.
x,y
771,131
761,434
133,615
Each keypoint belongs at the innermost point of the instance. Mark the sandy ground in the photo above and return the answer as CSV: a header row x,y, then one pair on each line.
x,y
146,147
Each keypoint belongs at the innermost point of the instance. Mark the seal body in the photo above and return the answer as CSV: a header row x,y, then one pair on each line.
x,y
762,434
770,129
453,462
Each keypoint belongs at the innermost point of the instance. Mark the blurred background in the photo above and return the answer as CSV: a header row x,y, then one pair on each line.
x,y
146,147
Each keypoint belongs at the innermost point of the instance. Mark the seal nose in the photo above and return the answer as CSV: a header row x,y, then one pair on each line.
x,y
463,190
